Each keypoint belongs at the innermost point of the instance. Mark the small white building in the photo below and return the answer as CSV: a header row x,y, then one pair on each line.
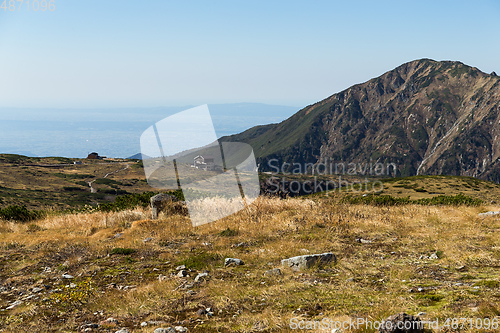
x,y
205,162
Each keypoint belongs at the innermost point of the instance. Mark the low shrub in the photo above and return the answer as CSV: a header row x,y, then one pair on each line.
x,y
130,201
387,200
20,214
120,250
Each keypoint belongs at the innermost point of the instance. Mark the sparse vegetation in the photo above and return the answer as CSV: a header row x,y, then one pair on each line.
x,y
20,214
433,258
387,200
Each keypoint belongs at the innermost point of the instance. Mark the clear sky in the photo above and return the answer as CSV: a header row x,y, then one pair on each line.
x,y
116,53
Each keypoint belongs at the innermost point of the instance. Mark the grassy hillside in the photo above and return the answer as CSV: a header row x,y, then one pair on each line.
x,y
438,260
57,183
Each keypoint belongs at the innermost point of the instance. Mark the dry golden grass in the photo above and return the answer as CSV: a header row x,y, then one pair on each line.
x,y
372,278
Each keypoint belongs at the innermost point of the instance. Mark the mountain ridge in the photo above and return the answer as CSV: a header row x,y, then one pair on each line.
x,y
426,116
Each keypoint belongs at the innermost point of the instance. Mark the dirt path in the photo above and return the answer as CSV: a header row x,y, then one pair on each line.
x,y
93,190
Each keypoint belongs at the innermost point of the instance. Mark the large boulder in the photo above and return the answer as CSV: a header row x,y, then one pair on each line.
x,y
307,261
402,323
159,202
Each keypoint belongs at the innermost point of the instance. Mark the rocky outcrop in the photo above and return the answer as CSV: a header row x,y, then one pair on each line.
x,y
308,261
159,202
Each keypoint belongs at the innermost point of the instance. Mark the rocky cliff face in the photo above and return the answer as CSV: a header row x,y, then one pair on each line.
x,y
427,117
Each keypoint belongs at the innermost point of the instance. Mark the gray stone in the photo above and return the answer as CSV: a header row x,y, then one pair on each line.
x,y
37,289
181,329
402,323
489,213
200,276
159,202
233,261
89,326
164,330
13,305
109,321
123,330
307,261
274,271
182,273
67,276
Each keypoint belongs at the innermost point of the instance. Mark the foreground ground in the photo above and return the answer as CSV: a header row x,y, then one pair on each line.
x,y
437,261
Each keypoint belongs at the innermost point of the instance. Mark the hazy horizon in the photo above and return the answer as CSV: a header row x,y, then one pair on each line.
x,y
112,132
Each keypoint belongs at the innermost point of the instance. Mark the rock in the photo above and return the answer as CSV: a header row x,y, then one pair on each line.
x,y
200,276
363,241
88,326
165,330
149,239
13,305
162,277
37,289
109,321
242,244
201,312
123,330
493,74
178,268
307,261
233,261
491,213
182,273
180,329
159,202
67,276
144,324
118,235
129,287
402,323
274,271
434,256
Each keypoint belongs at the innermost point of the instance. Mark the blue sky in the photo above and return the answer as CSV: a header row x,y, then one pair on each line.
x,y
94,54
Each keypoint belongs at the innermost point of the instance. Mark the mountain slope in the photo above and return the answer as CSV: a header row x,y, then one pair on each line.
x,y
425,116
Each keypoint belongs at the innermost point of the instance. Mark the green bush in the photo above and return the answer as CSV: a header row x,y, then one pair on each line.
x,y
107,181
20,214
119,250
455,200
228,233
201,260
73,188
130,201
387,200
